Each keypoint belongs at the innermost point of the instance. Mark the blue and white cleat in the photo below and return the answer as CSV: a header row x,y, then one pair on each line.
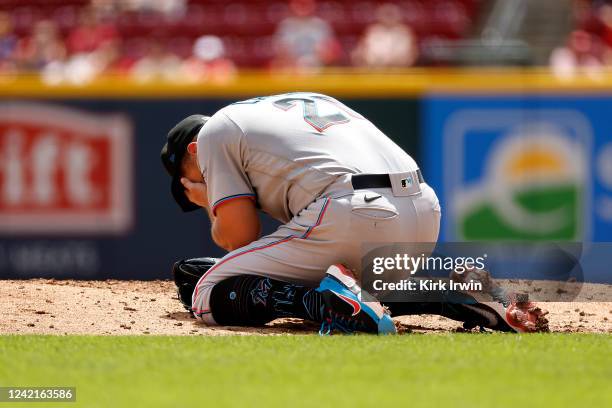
x,y
344,309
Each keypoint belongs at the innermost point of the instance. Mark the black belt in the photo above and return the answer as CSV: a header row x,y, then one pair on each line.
x,y
365,181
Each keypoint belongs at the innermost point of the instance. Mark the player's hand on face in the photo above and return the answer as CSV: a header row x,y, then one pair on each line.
x,y
195,192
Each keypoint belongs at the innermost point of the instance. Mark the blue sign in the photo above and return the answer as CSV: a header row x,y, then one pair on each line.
x,y
527,168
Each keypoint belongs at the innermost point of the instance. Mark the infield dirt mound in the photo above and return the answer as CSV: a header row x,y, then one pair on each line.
x,y
150,308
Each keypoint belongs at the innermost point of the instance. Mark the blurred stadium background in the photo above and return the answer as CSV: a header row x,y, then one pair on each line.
x,y
505,103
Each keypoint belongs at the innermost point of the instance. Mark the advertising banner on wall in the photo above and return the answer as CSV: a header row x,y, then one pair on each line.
x,y
64,171
83,193
518,167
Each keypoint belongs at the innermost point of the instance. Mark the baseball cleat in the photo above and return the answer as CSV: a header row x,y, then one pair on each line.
x,y
525,316
517,315
344,309
517,312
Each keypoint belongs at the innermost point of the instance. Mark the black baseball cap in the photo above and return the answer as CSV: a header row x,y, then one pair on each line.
x,y
172,154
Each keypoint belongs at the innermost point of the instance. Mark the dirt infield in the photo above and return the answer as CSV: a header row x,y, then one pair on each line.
x,y
150,308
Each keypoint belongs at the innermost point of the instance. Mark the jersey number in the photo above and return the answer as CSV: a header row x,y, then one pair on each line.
x,y
311,111
311,115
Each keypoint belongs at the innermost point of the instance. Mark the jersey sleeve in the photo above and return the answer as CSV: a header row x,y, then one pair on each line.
x,y
220,153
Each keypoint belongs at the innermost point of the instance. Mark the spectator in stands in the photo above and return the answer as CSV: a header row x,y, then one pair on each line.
x,y
208,62
84,67
42,47
8,43
580,54
173,8
157,64
90,33
584,16
304,40
604,15
388,42
106,10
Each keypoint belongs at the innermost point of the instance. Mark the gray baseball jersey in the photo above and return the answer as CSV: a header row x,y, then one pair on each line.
x,y
294,154
287,150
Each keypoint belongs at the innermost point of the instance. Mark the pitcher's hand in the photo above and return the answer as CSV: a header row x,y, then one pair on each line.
x,y
196,192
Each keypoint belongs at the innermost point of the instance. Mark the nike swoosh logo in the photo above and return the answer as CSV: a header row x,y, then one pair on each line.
x,y
356,306
372,198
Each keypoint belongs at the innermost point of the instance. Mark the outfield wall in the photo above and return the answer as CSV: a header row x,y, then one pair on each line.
x,y
82,192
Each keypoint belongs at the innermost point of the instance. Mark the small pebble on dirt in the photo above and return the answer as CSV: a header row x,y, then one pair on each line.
x,y
582,314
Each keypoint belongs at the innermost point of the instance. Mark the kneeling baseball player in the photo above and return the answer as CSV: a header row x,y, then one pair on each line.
x,y
335,181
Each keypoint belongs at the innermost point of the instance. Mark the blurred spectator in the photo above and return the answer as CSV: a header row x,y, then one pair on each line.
x,y
90,33
584,17
580,54
208,61
157,64
604,15
388,42
305,40
42,47
173,8
86,38
106,10
8,43
84,67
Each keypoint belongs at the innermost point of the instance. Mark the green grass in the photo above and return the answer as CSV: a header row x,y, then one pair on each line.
x,y
469,370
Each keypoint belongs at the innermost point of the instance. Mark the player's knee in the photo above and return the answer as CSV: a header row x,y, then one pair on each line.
x,y
187,274
200,302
